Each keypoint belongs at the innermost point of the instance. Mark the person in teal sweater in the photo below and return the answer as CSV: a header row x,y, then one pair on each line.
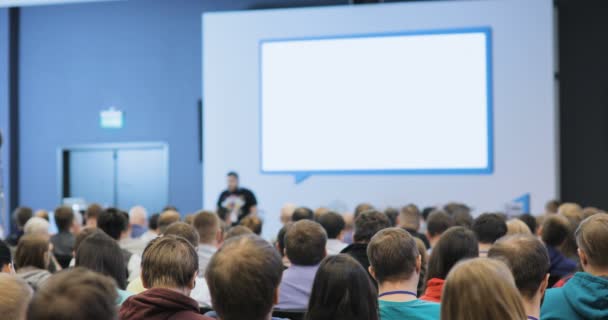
x,y
585,296
395,264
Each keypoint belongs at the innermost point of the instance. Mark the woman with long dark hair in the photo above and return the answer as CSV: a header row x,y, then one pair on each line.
x,y
342,290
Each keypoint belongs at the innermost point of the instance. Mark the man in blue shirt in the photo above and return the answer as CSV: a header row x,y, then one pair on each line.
x,y
395,263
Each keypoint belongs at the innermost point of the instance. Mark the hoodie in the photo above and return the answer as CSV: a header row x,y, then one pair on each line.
x,y
33,276
160,304
584,297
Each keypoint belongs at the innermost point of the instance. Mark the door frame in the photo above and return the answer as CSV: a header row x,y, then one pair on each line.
x,y
62,151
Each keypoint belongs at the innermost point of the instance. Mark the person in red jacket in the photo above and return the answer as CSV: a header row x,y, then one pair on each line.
x,y
169,270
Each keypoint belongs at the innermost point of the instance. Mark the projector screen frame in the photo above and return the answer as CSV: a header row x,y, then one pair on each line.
x,y
303,174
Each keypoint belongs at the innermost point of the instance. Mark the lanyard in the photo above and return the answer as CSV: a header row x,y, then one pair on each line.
x,y
389,293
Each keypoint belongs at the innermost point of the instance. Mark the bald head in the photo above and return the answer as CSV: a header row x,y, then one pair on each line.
x,y
37,226
286,212
15,297
138,215
166,218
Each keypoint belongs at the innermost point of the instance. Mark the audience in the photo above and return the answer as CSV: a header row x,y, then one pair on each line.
x,y
457,243
208,226
530,221
37,226
302,213
93,211
280,244
14,298
75,294
169,270
481,289
21,215
424,257
362,207
42,214
243,278
333,224
409,219
32,258
63,241
516,226
114,223
367,224
6,259
253,223
342,290
167,218
305,243
392,214
552,206
437,223
585,296
488,228
237,231
137,218
100,253
152,231
287,212
528,260
554,232
396,264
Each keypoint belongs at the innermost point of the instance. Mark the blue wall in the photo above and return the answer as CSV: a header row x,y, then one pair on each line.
x,y
4,116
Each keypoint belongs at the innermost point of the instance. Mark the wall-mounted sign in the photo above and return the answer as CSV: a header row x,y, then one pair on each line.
x,y
111,118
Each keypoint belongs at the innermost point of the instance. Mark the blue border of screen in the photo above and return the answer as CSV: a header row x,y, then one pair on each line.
x,y
303,174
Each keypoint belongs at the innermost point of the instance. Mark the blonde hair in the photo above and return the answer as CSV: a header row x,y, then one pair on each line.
x,y
480,289
516,226
16,297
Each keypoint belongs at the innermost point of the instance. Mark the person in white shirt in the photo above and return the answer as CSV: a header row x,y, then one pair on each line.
x,y
208,226
333,223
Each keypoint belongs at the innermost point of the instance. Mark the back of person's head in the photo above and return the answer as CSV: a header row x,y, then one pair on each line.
x,y
319,212
456,244
286,212
555,230
590,211
362,207
14,298
138,215
153,221
83,235
42,214
189,219
426,212
207,224
100,253
592,240
32,251
238,231
305,243
184,230
64,218
463,219
409,217
481,289
113,222
342,290
243,278
516,226
302,213
75,294
570,210
333,223
552,206
6,258
368,223
392,214
93,211
530,221
424,259
438,222
528,260
22,215
169,262
456,207
281,238
37,226
167,218
489,227
393,256
253,223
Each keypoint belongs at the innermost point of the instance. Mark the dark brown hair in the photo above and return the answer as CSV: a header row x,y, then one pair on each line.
x,y
456,244
438,222
243,277
392,254
592,239
32,251
555,230
253,223
305,243
237,231
168,261
64,218
75,294
333,223
368,223
207,224
100,253
527,258
490,227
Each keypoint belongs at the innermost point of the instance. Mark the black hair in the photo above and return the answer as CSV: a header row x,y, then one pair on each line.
x,y
153,221
342,290
456,244
333,223
113,222
233,174
426,212
529,220
100,253
438,222
368,223
392,214
5,254
281,238
489,227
